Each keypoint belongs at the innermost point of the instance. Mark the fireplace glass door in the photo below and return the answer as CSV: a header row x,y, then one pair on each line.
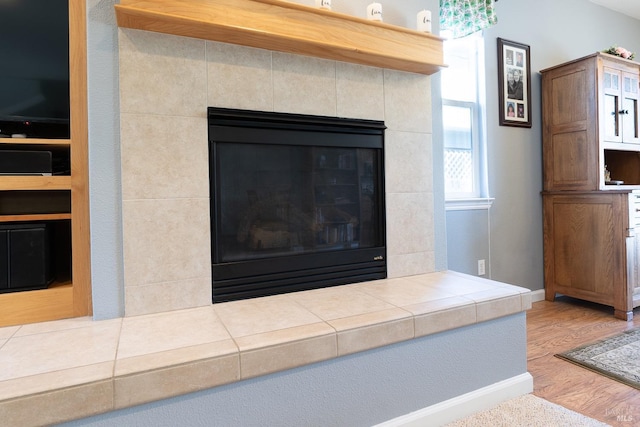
x,y
296,204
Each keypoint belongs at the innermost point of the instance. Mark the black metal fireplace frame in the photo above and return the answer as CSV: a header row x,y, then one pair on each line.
x,y
275,275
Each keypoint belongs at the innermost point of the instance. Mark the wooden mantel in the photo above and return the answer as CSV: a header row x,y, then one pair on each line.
x,y
288,27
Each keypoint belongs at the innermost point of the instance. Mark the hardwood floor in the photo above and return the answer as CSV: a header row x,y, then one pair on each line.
x,y
553,327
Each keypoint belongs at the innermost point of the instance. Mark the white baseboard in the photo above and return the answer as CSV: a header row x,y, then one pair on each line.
x,y
466,404
537,295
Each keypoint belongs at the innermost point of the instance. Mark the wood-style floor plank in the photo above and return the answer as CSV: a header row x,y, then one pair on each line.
x,y
554,327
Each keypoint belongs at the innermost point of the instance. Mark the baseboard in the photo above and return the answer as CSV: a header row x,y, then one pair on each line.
x,y
466,404
537,295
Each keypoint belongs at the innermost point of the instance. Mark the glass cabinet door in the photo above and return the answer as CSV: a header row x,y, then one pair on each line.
x,y
629,112
611,113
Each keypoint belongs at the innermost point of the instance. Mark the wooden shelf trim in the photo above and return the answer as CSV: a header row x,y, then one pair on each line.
x,y
35,182
53,303
288,27
35,141
34,217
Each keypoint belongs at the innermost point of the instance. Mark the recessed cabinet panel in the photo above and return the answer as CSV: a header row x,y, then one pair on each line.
x,y
584,225
569,98
571,152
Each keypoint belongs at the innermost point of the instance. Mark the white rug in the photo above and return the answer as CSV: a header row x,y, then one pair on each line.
x,y
527,411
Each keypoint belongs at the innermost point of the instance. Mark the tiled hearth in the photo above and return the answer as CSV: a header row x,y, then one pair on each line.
x,y
166,84
75,368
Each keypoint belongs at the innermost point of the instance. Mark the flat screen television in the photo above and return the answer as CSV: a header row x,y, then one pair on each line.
x,y
34,70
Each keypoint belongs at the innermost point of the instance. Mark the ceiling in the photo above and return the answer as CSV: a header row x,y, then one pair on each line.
x,y
627,7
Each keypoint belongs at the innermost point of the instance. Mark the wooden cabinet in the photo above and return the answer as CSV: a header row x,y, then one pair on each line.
x,y
591,179
60,201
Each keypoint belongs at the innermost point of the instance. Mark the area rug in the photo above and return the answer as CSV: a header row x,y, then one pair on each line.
x,y
617,357
527,411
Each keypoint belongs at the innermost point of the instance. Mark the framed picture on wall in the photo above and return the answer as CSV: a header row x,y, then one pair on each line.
x,y
514,83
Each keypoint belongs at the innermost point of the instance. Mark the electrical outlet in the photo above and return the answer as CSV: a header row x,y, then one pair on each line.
x,y
481,271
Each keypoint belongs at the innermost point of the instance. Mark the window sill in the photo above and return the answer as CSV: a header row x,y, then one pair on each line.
x,y
482,203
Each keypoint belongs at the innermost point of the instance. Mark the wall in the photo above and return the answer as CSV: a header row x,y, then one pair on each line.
x,y
556,32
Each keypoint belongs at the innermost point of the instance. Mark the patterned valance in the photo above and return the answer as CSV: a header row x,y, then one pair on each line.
x,y
464,17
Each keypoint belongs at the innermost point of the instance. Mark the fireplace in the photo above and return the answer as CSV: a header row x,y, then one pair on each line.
x,y
297,202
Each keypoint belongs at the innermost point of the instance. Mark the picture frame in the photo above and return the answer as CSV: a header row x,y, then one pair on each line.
x,y
514,83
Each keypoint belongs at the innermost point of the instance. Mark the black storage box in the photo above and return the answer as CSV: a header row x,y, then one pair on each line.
x,y
24,257
22,162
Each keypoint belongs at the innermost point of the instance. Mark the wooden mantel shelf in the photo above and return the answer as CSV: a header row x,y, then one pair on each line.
x,y
288,27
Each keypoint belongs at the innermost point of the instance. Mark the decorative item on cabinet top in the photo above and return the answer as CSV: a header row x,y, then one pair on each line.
x,y
620,51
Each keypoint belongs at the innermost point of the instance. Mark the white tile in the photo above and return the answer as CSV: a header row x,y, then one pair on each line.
x,y
168,331
167,296
408,162
164,157
8,332
162,74
304,85
65,349
402,292
409,223
339,302
239,77
166,240
360,91
407,98
260,315
402,265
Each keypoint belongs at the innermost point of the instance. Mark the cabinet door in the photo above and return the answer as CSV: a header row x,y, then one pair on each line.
x,y
612,91
633,248
629,111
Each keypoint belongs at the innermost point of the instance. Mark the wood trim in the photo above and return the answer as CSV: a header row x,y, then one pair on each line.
x,y
35,141
37,306
34,217
288,27
29,182
80,234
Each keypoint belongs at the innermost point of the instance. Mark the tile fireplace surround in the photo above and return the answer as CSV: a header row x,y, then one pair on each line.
x,y
166,84
162,348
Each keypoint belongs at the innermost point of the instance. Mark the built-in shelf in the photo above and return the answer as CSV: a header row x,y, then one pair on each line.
x,y
61,200
288,27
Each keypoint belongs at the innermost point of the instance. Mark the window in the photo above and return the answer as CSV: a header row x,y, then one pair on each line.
x,y
463,118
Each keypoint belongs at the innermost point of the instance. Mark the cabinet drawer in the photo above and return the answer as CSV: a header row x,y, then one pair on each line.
x,y
634,210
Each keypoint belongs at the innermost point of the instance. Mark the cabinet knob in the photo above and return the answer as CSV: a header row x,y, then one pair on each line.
x,y
623,112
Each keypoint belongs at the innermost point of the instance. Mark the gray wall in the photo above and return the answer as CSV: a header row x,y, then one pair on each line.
x,y
556,31
468,240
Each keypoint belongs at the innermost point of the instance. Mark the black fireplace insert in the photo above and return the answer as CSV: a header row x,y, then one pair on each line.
x,y
297,202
